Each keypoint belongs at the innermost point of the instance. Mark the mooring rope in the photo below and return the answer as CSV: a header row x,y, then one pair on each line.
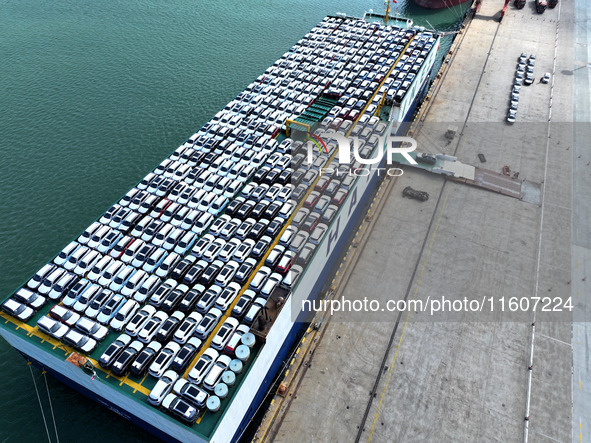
x,y
51,407
40,405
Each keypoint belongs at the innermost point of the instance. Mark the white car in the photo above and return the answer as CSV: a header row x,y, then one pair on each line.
x,y
162,387
162,235
100,266
202,223
154,260
85,236
17,310
75,292
230,228
188,219
511,115
30,298
227,273
169,262
150,328
147,288
227,296
124,314
229,249
260,278
179,218
65,253
270,285
218,205
52,327
92,329
37,279
206,202
203,365
81,302
118,249
195,199
208,323
285,193
233,188
191,392
224,333
208,299
546,77
243,251
124,274
185,243
86,263
132,250
138,321
213,250
164,359
163,290
202,245
187,328
134,282
140,227
218,224
97,236
80,341
215,372
110,272
258,304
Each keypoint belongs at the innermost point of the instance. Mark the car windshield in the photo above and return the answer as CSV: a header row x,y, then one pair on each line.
x,y
206,322
142,357
201,363
162,357
152,261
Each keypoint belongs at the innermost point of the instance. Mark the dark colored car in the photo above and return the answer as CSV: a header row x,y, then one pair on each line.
x,y
413,193
212,271
245,209
140,365
311,221
183,410
258,229
170,302
169,327
184,357
181,269
191,298
193,275
123,363
113,351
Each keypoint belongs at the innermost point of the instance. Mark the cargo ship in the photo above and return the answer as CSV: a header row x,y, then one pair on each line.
x,y
177,308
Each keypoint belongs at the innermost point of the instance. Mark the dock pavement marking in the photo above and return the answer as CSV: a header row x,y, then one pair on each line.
x,y
407,317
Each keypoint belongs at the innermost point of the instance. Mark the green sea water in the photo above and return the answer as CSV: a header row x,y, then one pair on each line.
x,y
93,95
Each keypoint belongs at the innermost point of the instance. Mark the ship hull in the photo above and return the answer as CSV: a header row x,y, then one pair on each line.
x,y
439,4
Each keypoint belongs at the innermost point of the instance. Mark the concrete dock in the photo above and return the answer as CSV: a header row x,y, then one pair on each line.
x,y
484,376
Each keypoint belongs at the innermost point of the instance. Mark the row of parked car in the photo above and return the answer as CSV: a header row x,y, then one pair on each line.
x,y
524,75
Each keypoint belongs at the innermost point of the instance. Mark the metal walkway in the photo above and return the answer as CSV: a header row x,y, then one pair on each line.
x,y
482,178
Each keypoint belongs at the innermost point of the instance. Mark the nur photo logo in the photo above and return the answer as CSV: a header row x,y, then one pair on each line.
x,y
346,145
